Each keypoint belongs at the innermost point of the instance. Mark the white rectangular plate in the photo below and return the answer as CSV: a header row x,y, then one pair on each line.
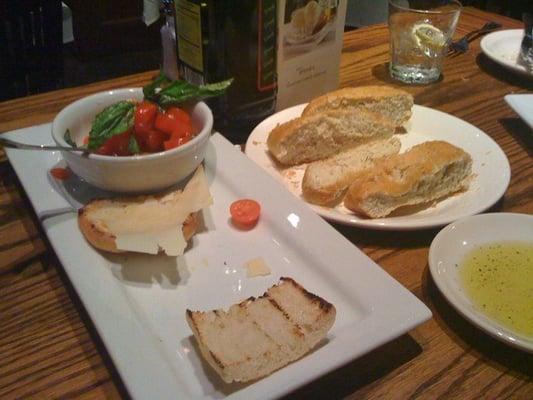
x,y
138,302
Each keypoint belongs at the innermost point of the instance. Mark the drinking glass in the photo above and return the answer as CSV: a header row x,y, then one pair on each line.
x,y
420,32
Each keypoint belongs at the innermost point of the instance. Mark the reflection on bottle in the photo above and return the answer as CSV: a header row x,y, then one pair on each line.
x,y
220,39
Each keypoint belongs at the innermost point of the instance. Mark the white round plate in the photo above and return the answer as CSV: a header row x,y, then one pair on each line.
x,y
503,47
522,104
491,172
451,245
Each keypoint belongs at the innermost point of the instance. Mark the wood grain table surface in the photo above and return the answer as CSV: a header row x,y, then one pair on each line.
x,y
50,349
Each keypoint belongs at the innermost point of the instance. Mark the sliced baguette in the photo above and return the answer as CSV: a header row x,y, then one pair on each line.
x,y
326,181
260,335
426,172
392,103
321,135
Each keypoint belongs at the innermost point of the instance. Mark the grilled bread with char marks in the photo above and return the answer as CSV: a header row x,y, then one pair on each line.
x,y
260,335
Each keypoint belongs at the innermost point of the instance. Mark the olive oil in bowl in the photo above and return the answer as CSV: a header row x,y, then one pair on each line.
x,y
498,278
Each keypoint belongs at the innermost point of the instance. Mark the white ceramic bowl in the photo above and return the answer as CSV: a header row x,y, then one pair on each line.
x,y
449,249
133,174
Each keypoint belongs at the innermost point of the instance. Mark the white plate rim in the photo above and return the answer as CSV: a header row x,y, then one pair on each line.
x,y
447,286
515,101
389,224
513,34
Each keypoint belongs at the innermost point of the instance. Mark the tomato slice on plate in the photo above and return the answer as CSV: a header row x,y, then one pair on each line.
x,y
60,173
245,212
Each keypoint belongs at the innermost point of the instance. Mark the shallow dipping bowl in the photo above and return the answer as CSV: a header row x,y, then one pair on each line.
x,y
132,174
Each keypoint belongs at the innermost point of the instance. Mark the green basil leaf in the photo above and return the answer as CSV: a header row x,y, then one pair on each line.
x,y
133,146
112,120
182,92
149,90
165,92
69,140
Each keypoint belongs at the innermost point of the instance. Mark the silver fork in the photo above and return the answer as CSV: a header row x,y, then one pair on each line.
x,y
25,146
462,45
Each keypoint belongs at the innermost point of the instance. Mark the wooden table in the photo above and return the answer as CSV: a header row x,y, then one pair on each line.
x,y
48,345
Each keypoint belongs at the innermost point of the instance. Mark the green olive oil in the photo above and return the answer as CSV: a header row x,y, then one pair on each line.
x,y
498,277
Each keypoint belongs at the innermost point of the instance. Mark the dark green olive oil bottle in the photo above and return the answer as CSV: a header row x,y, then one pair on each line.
x,y
221,39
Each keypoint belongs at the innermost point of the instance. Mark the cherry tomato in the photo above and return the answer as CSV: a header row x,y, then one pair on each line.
x,y
116,145
154,141
179,114
86,140
182,130
166,123
174,121
245,213
145,114
60,173
176,141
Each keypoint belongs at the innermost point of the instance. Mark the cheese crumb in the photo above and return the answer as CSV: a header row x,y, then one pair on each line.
x,y
256,267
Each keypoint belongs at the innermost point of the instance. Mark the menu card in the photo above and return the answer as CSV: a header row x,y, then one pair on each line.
x,y
310,34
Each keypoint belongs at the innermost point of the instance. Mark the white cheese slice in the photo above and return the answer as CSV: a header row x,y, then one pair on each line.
x,y
256,267
150,223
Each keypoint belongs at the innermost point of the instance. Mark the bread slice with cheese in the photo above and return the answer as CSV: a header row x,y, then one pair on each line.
x,y
394,104
325,181
321,135
426,172
148,223
260,335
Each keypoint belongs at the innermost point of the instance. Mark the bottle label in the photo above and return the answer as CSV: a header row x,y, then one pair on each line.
x,y
189,34
266,62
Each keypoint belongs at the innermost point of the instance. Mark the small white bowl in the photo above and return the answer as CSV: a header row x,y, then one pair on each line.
x,y
449,249
131,174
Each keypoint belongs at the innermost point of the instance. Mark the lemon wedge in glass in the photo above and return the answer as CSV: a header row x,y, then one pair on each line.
x,y
427,35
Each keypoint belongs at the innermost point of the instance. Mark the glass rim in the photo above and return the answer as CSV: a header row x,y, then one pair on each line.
x,y
394,3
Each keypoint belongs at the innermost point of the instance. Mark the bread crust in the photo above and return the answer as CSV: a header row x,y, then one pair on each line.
x,y
398,178
344,97
343,166
98,235
287,144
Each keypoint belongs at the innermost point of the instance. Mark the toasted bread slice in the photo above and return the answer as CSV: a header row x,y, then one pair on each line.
x,y
325,181
321,135
426,172
97,233
392,103
258,336
149,223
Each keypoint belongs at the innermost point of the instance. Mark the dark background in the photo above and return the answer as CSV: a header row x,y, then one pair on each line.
x,y
110,41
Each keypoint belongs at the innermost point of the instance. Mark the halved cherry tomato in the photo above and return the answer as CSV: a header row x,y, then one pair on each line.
x,y
154,141
116,145
145,114
166,123
174,121
245,212
179,114
182,130
175,141
60,173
